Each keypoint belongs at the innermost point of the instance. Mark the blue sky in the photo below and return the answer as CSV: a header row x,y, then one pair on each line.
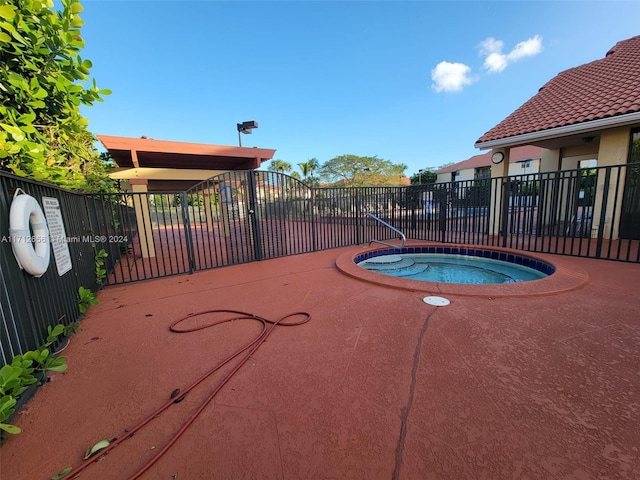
x,y
414,82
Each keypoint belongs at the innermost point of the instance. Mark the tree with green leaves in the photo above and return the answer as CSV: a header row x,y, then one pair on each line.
x,y
308,168
279,166
424,176
43,84
355,171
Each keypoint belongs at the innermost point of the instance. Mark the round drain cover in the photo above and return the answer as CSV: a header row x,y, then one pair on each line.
x,y
437,301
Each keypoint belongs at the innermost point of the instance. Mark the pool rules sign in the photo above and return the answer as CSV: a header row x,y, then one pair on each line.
x,y
57,234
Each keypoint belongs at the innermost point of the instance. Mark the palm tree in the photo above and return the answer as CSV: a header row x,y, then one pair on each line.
x,y
279,166
307,168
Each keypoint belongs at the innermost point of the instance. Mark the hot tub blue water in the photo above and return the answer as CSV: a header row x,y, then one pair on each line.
x,y
454,265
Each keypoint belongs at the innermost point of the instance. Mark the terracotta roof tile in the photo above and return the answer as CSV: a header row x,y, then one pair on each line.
x,y
600,89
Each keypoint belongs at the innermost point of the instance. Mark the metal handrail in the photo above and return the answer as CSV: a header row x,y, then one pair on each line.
x,y
402,236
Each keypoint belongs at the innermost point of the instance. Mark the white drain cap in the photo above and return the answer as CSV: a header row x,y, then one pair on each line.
x,y
437,301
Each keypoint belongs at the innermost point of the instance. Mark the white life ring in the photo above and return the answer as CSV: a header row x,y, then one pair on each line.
x,y
31,250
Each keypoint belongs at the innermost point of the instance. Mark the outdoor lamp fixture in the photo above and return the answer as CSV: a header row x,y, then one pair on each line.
x,y
245,127
420,176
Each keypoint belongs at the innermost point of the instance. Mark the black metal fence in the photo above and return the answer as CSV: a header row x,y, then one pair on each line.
x,y
245,216
29,305
584,212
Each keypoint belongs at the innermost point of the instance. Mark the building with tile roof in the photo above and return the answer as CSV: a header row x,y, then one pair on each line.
x,y
585,115
577,105
523,160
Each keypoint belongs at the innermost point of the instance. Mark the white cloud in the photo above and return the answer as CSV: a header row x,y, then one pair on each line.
x,y
528,48
497,61
453,77
450,77
491,45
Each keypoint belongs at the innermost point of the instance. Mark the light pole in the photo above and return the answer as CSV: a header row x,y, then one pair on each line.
x,y
245,127
365,170
420,176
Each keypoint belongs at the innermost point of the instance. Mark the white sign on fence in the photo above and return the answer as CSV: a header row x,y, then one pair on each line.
x,y
57,234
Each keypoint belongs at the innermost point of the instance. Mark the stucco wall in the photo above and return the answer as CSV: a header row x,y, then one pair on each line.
x,y
614,150
614,146
516,168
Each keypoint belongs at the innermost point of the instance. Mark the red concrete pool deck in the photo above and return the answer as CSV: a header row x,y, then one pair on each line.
x,y
378,385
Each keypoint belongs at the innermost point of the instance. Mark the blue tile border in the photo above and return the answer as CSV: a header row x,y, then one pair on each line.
x,y
471,252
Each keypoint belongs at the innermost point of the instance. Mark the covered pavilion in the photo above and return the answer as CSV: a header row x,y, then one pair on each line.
x,y
148,165
145,165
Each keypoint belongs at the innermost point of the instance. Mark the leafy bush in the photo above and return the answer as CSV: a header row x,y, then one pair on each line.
x,y
23,371
86,297
42,78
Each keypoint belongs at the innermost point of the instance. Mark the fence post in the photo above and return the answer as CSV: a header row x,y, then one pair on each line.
x,y
443,207
186,221
314,227
506,192
357,213
603,212
413,196
253,216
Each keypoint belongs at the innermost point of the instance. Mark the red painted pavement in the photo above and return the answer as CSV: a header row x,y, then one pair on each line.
x,y
378,385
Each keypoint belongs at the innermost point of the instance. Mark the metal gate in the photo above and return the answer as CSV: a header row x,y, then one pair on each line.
x,y
243,216
233,218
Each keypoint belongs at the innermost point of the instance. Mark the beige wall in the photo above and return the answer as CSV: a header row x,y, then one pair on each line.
x,y
573,155
614,147
614,150
141,206
466,174
443,177
164,173
515,168
550,160
499,170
